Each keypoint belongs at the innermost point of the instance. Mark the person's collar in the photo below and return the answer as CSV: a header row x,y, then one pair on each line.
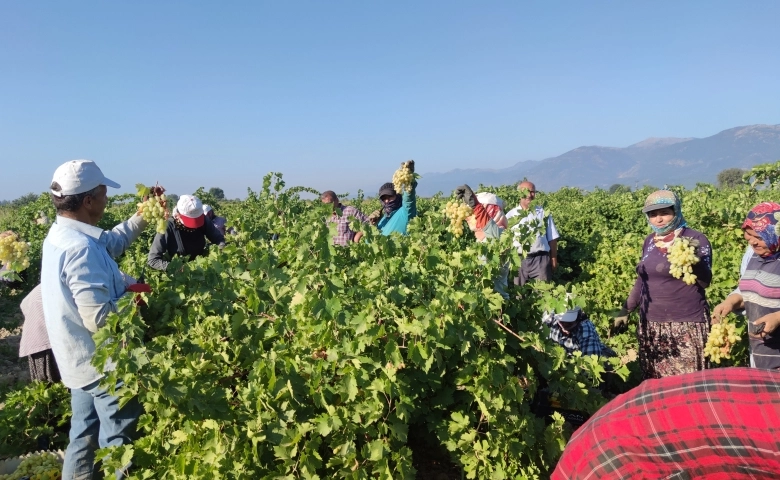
x,y
85,228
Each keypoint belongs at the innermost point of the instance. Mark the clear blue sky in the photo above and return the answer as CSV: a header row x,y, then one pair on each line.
x,y
336,94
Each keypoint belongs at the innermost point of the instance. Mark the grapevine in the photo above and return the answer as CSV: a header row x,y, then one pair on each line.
x,y
682,257
722,337
402,179
154,208
13,252
38,466
457,212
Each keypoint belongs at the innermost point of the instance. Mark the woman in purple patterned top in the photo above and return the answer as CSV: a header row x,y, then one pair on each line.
x,y
673,315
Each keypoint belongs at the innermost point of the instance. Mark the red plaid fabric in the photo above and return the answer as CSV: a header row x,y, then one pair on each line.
x,y
715,424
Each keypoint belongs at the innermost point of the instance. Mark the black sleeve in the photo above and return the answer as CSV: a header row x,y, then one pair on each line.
x,y
156,258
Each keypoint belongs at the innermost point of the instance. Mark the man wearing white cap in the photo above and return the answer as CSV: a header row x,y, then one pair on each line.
x,y
185,234
81,284
575,332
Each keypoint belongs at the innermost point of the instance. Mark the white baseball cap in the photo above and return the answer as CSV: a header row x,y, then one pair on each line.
x,y
569,315
79,176
190,211
206,208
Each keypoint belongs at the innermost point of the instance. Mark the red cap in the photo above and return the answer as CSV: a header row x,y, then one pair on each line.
x,y
190,211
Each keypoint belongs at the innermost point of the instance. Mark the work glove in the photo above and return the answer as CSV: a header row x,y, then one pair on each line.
x,y
138,289
410,165
373,219
481,217
619,321
465,193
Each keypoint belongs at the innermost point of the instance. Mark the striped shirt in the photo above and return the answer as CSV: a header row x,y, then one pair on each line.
x,y
718,423
35,338
760,289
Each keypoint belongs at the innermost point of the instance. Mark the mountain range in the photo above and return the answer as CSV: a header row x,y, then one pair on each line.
x,y
655,161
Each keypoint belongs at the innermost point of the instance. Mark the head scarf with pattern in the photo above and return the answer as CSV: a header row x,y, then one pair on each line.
x,y
763,220
668,199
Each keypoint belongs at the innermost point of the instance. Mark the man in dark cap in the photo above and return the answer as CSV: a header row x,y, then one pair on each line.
x,y
397,208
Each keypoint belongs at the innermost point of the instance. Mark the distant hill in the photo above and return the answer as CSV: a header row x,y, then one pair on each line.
x,y
655,161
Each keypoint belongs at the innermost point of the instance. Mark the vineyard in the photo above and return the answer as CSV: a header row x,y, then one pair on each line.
x,y
283,356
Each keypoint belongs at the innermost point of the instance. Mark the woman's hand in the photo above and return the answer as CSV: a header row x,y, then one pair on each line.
x,y
731,303
720,311
619,321
771,321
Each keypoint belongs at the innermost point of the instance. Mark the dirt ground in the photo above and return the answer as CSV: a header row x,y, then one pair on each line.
x,y
12,368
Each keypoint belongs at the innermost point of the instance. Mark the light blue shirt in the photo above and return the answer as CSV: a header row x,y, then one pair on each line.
x,y
81,283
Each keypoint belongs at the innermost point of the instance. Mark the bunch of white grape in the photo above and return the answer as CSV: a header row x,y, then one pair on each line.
x,y
154,209
13,252
682,257
457,212
722,336
38,466
402,179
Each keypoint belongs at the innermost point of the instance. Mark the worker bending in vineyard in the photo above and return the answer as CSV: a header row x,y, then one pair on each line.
x,y
397,207
185,235
575,332
341,216
81,284
542,257
759,286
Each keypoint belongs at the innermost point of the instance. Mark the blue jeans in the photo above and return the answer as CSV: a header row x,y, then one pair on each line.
x,y
97,422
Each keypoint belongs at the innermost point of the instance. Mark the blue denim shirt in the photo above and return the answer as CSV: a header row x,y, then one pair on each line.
x,y
80,284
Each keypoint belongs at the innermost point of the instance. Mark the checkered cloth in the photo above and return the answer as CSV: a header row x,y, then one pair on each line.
x,y
583,338
343,234
722,423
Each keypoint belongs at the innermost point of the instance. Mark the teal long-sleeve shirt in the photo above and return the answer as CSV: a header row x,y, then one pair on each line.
x,y
398,221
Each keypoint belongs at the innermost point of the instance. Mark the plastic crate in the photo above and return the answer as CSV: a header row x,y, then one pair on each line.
x,y
10,465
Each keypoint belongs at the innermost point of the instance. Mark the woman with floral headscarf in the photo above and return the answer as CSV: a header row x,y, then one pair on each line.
x,y
673,315
759,286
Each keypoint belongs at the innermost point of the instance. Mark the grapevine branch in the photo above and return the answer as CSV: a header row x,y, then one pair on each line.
x,y
509,330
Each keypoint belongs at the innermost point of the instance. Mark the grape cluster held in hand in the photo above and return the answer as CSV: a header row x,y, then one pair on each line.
x,y
457,211
682,257
402,179
722,337
155,207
